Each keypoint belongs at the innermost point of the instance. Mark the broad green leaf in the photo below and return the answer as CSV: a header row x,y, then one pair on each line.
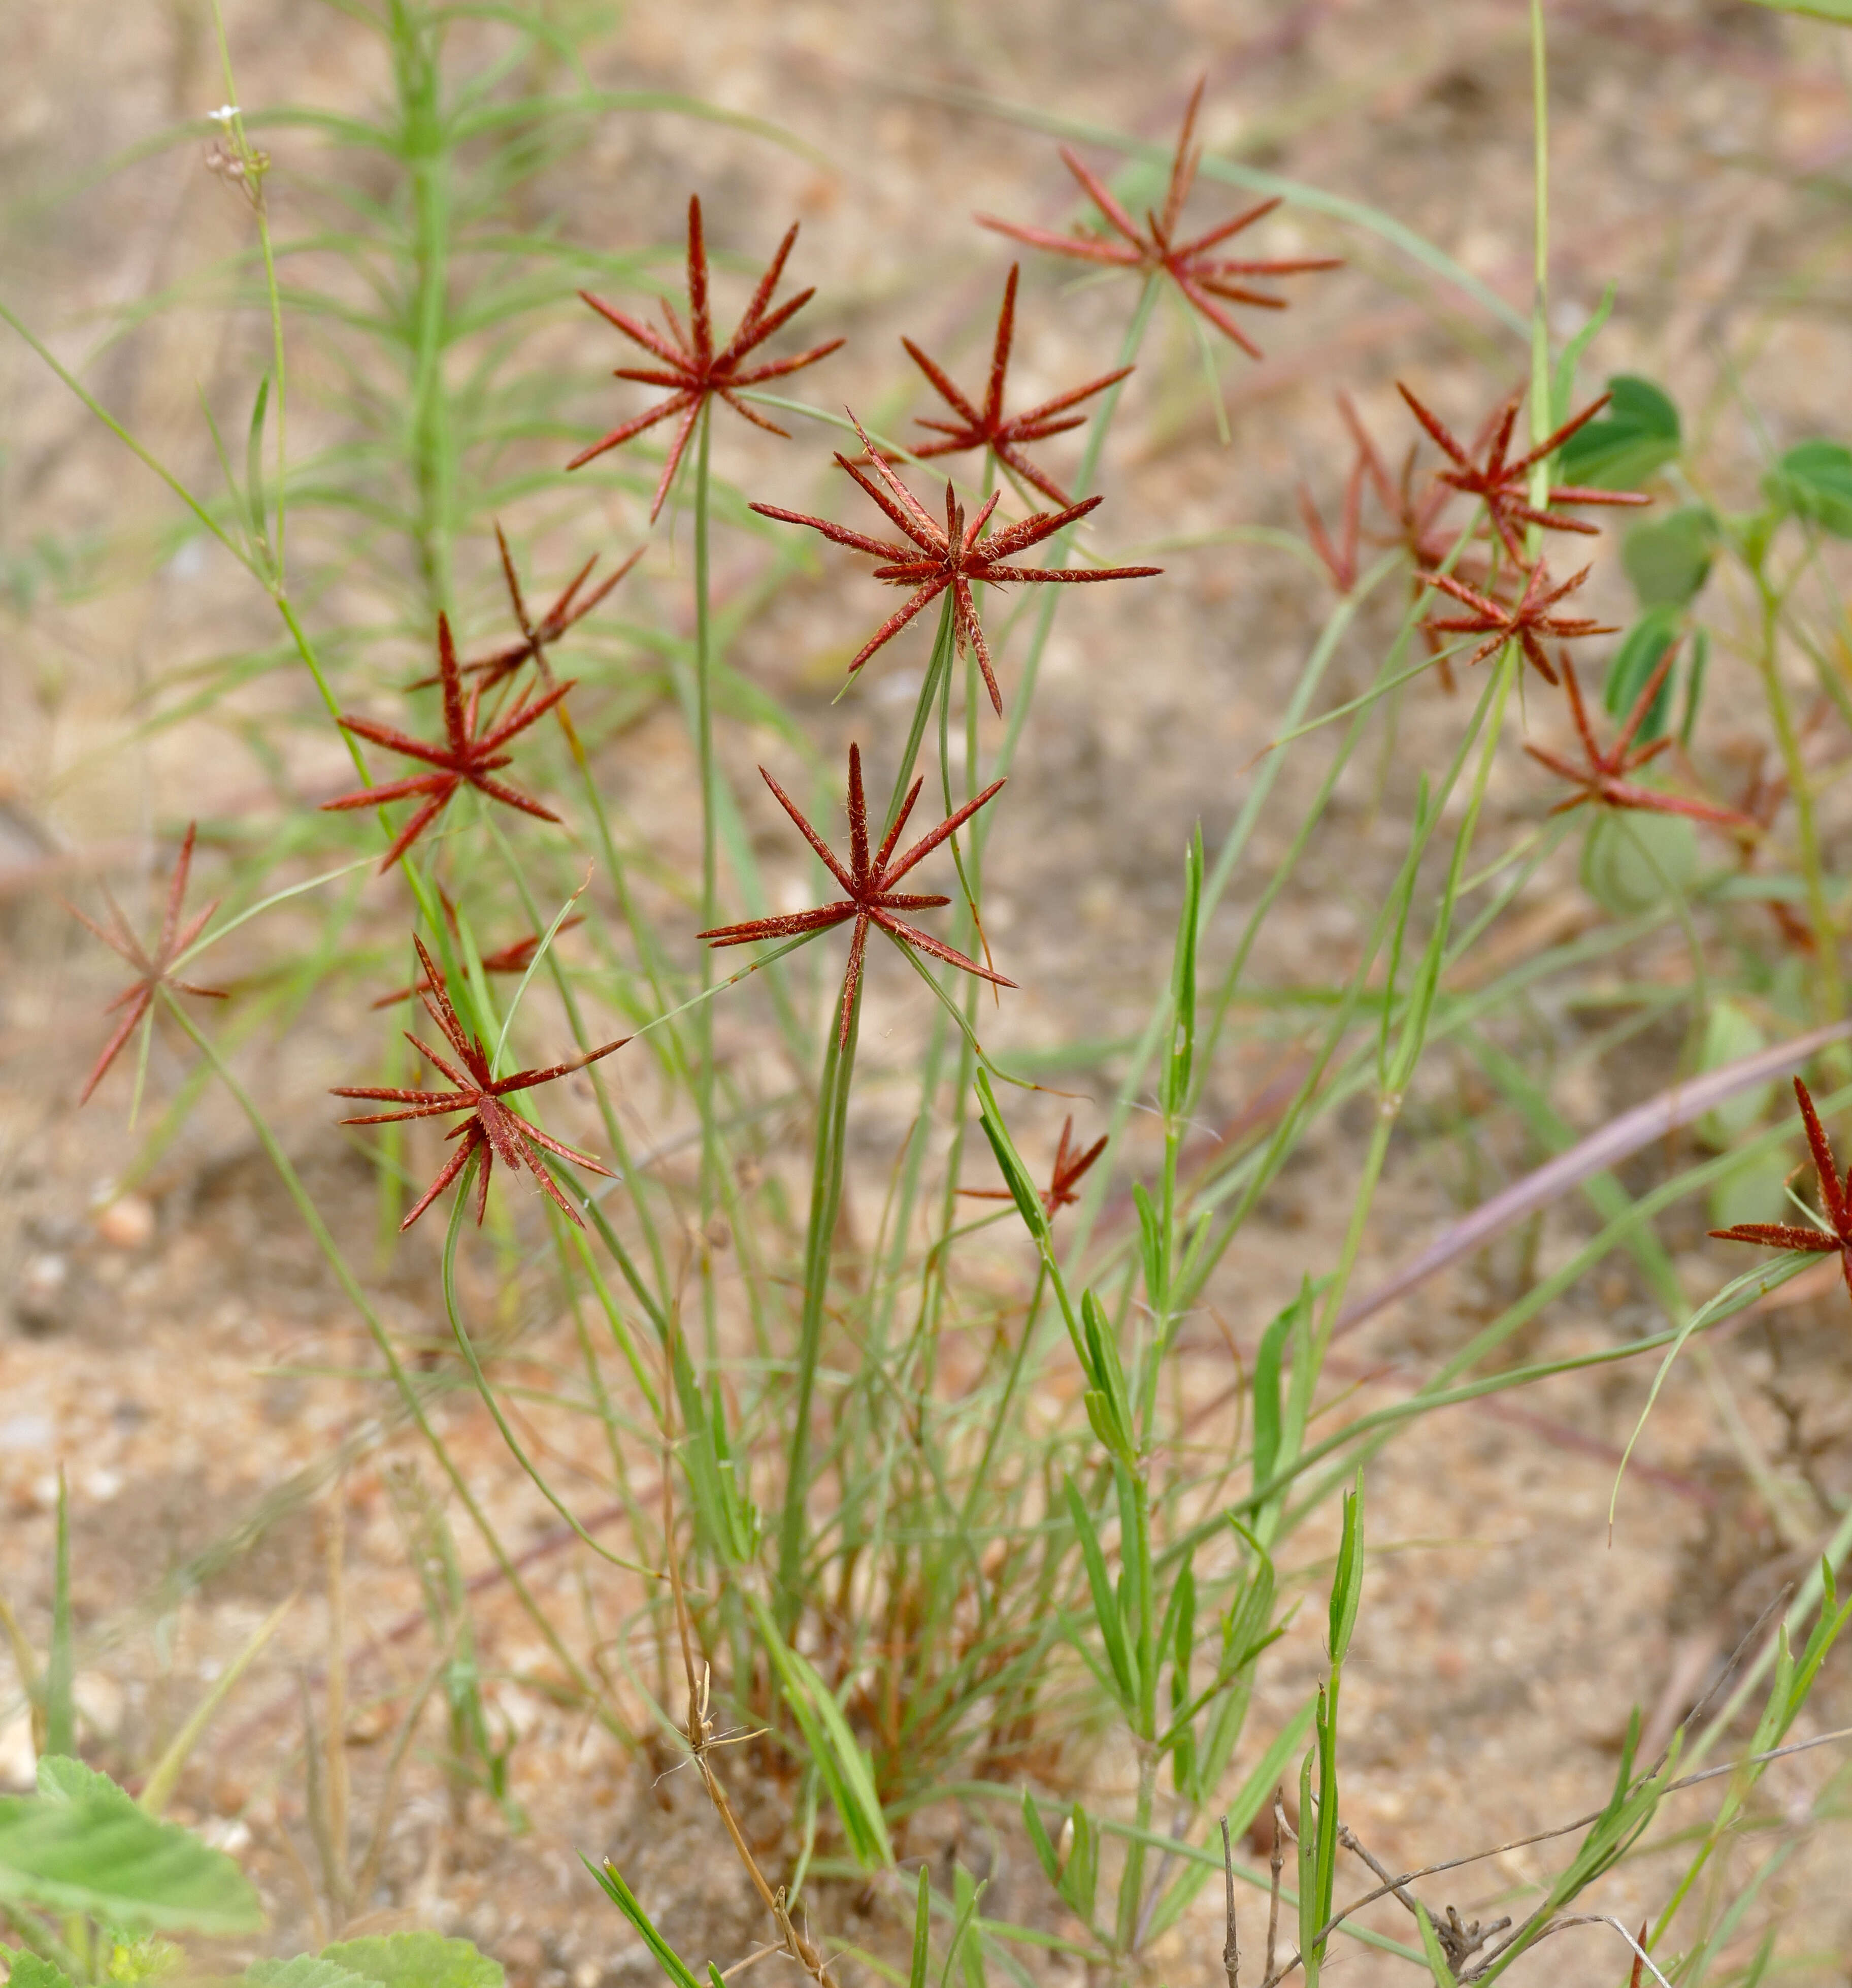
x,y
1730,1033
1642,650
306,1970
1839,11
62,1780
1814,481
1632,863
1751,1190
80,1848
29,1971
1668,559
411,1960
1636,434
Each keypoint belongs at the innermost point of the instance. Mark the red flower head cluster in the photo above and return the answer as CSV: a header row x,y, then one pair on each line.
x,y
1503,483
1603,779
465,758
1529,621
988,427
868,883
1063,1189
155,968
492,1129
1836,1238
692,369
955,555
1207,281
538,637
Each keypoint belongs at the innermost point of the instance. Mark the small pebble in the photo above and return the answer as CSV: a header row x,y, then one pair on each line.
x,y
128,1223
39,1297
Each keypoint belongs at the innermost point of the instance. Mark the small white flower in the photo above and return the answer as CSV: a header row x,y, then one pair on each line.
x,y
224,113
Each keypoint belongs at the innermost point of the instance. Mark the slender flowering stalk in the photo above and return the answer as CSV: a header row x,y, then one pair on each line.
x,y
464,758
1528,621
1207,281
1604,779
868,885
492,1128
691,368
1836,1238
514,959
154,967
957,556
1503,485
988,427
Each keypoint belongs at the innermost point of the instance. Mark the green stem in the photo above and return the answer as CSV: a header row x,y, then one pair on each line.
x,y
710,886
1420,1009
1830,1001
825,1206
1539,311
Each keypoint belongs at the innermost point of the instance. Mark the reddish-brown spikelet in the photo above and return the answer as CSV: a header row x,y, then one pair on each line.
x,y
1527,621
1207,281
691,369
492,1129
1062,1190
155,968
464,758
1603,780
1503,485
955,555
867,882
538,637
988,427
1837,1237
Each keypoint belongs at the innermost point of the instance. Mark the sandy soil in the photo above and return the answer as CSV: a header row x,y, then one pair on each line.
x,y
183,1355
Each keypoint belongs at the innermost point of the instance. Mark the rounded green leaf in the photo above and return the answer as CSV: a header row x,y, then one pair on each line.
x,y
1642,649
83,1846
1637,434
1631,863
416,1960
1669,560
1730,1033
1814,481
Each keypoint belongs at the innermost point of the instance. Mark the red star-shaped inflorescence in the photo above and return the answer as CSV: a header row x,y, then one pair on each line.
x,y
1415,524
492,1129
692,369
464,758
1527,621
1062,1190
538,637
987,426
956,555
1503,485
154,967
1837,1237
870,897
1208,281
1603,780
